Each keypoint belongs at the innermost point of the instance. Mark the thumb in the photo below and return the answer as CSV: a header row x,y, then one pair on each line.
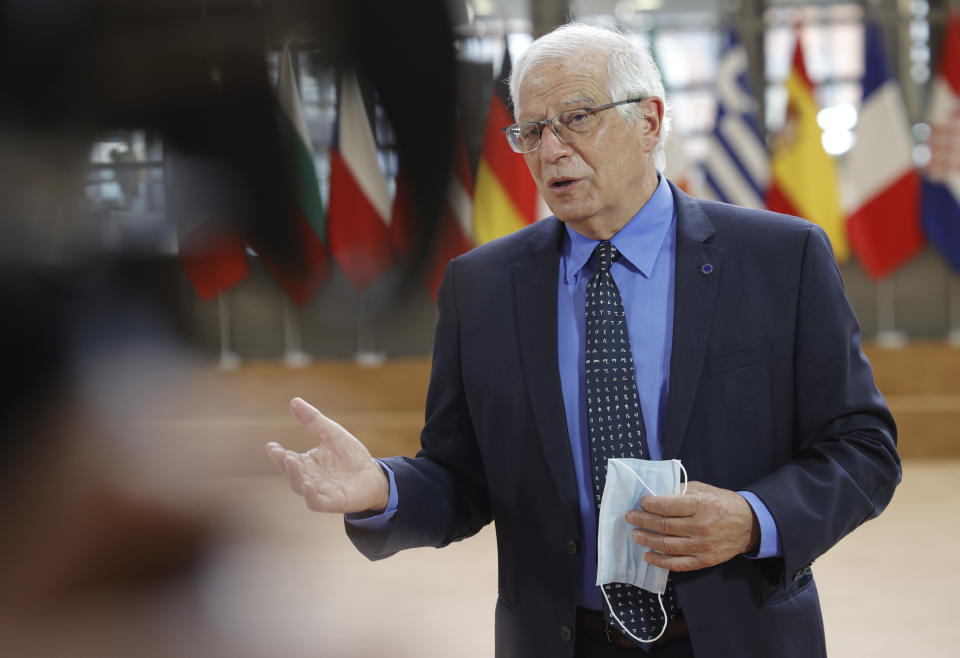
x,y
310,417
307,414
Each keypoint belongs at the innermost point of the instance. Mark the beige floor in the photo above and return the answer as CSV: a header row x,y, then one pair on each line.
x,y
280,581
888,586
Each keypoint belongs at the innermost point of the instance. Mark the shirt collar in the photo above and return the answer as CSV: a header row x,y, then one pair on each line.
x,y
639,242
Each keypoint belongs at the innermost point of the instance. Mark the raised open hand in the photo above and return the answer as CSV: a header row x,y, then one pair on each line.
x,y
338,475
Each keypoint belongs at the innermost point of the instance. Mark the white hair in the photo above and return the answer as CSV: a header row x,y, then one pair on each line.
x,y
631,71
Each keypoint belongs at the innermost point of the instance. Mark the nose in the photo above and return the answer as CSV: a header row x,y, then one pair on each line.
x,y
551,146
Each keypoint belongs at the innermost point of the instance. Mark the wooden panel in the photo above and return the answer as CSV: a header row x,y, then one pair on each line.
x,y
228,416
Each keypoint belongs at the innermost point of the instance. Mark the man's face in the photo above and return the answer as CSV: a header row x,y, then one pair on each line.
x,y
598,182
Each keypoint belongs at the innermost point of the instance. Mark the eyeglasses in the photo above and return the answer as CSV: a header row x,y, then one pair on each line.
x,y
568,126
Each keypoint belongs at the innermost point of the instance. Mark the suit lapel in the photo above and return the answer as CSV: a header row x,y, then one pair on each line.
x,y
535,284
695,295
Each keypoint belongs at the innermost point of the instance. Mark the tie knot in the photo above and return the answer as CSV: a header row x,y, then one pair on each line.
x,y
606,254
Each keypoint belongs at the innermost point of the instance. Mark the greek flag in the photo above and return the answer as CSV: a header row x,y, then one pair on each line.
x,y
737,167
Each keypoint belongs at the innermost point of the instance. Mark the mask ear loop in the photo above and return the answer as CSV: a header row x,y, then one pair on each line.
x,y
663,611
626,630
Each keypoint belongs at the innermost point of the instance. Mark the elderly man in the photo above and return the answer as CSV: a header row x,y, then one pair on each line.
x,y
740,357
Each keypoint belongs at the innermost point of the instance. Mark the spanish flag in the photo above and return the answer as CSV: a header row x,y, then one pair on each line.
x,y
804,180
505,196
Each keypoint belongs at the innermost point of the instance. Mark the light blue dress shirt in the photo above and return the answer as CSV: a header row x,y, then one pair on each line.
x,y
644,273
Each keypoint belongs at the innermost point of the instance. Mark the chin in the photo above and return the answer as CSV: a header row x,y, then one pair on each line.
x,y
570,215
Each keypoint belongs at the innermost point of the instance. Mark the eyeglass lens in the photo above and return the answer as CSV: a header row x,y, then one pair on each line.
x,y
525,136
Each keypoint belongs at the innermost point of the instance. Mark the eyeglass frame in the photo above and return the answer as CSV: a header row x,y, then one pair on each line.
x,y
540,124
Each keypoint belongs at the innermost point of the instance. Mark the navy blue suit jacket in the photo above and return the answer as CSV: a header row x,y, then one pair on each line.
x,y
769,392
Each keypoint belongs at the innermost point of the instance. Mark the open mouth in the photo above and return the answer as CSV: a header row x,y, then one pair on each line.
x,y
562,183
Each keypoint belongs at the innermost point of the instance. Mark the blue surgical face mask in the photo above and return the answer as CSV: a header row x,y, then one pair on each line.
x,y
619,558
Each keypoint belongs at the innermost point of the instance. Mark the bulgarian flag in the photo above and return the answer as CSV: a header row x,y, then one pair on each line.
x,y
306,272
804,177
360,205
506,198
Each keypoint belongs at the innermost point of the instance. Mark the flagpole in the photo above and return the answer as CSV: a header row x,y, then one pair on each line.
x,y
366,354
888,336
229,360
953,284
293,354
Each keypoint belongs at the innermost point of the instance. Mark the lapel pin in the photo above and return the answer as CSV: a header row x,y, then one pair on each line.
x,y
706,268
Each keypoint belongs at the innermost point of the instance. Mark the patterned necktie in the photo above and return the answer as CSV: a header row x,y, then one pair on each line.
x,y
615,427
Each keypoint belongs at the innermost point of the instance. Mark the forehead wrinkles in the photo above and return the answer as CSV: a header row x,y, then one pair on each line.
x,y
561,83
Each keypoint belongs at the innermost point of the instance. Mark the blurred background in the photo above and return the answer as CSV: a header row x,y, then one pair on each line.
x,y
208,207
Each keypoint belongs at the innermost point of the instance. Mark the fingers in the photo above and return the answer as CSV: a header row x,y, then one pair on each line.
x,y
663,525
276,452
278,455
669,544
293,473
677,506
675,562
676,553
290,465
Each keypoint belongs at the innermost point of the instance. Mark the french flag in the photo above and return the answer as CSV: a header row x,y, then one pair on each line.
x,y
941,184
358,223
882,188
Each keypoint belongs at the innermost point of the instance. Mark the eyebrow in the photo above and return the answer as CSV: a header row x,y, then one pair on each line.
x,y
576,101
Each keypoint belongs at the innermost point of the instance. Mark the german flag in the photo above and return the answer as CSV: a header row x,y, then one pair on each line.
x,y
505,196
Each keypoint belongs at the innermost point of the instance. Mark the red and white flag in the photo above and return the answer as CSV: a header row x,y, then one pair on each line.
x,y
360,210
456,220
406,226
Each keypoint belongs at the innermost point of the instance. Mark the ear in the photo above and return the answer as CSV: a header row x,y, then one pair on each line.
x,y
651,121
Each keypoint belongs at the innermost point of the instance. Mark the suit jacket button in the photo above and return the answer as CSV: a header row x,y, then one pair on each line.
x,y
572,547
566,634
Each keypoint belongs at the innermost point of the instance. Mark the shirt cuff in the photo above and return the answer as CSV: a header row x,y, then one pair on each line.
x,y
769,537
378,522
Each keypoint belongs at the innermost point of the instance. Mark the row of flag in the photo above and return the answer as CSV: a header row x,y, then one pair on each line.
x,y
884,214
364,231
878,205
